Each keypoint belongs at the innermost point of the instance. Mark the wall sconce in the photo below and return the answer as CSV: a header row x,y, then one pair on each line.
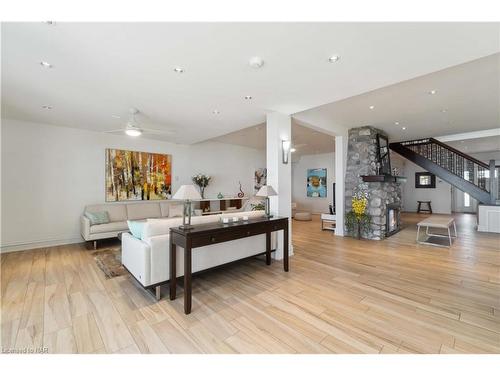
x,y
285,146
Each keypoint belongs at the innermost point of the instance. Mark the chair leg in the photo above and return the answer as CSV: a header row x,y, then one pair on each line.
x,y
418,232
430,207
95,245
449,235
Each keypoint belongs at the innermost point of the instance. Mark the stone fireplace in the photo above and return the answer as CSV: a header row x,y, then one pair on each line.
x,y
384,203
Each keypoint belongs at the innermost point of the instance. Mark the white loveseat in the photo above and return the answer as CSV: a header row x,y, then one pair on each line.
x,y
118,214
147,259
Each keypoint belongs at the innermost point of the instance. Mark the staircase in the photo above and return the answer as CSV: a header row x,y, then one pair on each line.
x,y
466,173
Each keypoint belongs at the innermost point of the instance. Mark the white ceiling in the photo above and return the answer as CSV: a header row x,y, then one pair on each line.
x,y
477,145
305,140
102,69
467,99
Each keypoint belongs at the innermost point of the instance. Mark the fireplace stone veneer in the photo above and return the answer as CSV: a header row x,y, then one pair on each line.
x,y
362,160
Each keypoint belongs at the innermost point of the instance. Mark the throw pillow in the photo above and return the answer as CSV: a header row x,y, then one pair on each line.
x,y
176,210
136,227
97,217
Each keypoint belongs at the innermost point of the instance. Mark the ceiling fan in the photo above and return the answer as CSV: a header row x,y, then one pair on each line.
x,y
134,129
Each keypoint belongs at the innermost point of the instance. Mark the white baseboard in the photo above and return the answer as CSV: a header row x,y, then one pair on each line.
x,y
29,245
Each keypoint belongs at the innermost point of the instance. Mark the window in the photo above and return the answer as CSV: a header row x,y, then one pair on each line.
x,y
466,200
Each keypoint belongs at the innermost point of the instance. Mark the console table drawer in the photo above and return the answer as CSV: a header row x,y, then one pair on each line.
x,y
210,239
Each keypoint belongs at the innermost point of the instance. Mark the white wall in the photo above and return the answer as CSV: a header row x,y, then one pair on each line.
x,y
50,173
440,197
299,180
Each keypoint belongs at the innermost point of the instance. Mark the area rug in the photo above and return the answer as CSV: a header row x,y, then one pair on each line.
x,y
110,262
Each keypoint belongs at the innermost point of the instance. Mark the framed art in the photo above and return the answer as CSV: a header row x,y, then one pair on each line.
x,y
316,183
135,175
425,180
383,154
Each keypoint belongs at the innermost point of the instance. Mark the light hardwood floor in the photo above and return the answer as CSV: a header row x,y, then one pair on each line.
x,y
340,296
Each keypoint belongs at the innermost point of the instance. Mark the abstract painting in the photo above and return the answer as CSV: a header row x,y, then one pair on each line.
x,y
135,176
316,183
260,178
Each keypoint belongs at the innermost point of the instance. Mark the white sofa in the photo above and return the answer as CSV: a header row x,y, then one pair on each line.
x,y
147,259
119,213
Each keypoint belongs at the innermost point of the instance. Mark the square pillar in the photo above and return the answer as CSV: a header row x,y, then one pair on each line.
x,y
279,175
340,168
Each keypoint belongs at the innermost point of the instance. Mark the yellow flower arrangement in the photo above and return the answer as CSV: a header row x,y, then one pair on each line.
x,y
359,205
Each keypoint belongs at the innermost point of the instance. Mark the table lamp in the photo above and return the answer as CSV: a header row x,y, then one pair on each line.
x,y
267,191
187,193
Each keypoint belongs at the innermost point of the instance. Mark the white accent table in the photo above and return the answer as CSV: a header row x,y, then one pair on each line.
x,y
330,220
439,222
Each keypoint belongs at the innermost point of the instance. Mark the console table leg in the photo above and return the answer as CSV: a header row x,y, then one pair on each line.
x,y
187,280
285,248
173,270
268,248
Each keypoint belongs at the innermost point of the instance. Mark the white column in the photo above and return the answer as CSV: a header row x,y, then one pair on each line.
x,y
340,167
279,175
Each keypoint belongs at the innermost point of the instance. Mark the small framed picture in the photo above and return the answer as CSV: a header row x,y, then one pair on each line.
x,y
425,180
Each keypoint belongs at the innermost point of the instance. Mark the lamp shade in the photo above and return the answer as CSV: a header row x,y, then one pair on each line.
x,y
266,191
187,192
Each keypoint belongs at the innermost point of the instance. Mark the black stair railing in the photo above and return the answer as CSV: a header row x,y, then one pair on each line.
x,y
463,165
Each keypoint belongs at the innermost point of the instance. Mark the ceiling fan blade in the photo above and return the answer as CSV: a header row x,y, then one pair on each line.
x,y
159,131
114,131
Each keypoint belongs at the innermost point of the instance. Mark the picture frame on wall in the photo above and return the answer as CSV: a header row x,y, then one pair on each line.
x,y
316,183
425,180
135,175
383,154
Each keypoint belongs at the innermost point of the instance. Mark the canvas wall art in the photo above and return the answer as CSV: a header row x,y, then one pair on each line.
x,y
134,175
260,178
316,183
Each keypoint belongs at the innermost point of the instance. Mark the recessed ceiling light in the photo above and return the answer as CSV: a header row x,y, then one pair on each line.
x,y
432,92
404,128
45,64
461,141
46,106
444,110
115,116
372,107
216,112
396,123
248,97
256,62
333,58
178,69
293,149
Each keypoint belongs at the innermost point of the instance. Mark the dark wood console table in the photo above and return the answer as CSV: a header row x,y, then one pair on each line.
x,y
209,234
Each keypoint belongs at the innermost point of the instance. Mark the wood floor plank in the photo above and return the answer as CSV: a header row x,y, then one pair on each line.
x,y
341,296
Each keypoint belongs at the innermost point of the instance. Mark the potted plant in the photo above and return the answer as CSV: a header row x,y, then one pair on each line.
x,y
357,221
202,181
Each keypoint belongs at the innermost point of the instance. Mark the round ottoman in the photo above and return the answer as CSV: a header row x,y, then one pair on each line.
x,y
303,216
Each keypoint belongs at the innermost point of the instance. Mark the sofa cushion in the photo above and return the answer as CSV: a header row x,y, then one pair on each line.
x,y
116,212
164,207
97,217
138,211
136,227
176,210
115,226
158,227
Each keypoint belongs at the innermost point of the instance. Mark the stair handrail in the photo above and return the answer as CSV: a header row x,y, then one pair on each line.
x,y
434,140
